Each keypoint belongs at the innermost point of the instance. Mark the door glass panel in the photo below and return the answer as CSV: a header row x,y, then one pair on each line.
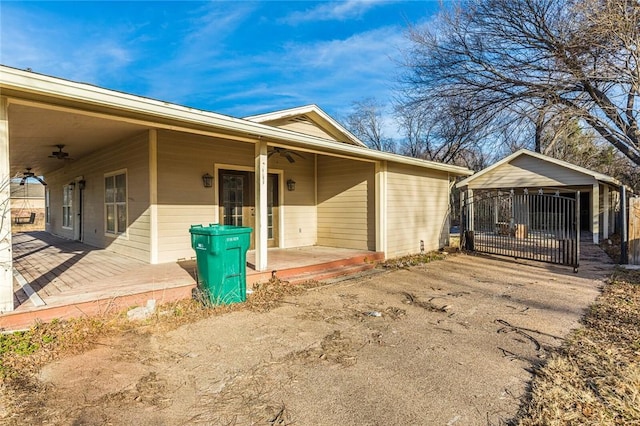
x,y
122,217
232,196
111,218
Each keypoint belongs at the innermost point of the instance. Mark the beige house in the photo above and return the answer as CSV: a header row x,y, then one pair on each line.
x,y
599,194
131,174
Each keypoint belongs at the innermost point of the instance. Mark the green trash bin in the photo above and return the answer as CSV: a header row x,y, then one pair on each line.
x,y
221,255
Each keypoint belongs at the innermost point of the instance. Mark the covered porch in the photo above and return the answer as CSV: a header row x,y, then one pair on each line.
x,y
61,278
129,175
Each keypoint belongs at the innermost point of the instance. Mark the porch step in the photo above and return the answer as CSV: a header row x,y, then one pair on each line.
x,y
104,302
329,273
321,271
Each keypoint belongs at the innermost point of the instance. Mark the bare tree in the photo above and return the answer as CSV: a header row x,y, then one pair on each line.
x,y
570,141
579,58
443,130
366,123
415,126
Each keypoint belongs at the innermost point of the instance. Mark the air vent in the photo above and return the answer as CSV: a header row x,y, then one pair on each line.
x,y
300,119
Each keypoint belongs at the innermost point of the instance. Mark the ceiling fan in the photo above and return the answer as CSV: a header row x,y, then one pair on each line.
x,y
284,152
29,174
59,154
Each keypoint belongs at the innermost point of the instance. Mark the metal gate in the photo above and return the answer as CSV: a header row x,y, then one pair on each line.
x,y
535,226
634,231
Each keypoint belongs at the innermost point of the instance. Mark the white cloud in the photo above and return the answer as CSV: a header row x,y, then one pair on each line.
x,y
216,21
331,73
194,58
333,11
49,45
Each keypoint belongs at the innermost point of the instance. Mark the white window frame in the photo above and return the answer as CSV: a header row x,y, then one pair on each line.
x,y
67,207
116,232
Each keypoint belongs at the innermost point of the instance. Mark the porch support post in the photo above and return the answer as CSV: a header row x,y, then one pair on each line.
x,y
595,212
153,195
470,218
6,258
260,231
605,211
381,207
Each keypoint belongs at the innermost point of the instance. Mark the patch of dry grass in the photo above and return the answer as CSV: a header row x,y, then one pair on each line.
x,y
594,378
23,353
413,260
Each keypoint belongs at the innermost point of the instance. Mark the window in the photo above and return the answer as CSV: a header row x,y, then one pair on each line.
x,y
67,206
47,206
115,203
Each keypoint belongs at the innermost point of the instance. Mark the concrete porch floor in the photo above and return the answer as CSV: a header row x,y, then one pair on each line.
x,y
59,278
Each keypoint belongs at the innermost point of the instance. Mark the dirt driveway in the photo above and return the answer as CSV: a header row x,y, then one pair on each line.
x,y
450,342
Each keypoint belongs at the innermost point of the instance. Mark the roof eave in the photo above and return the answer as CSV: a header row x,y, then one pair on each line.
x,y
30,82
597,176
306,109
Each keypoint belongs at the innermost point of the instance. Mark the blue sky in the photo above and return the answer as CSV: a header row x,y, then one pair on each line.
x,y
237,58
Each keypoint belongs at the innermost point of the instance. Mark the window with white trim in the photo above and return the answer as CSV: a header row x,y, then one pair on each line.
x,y
67,206
115,203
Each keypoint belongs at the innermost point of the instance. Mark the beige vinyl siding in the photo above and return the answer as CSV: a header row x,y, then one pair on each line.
x,y
301,125
130,155
612,198
182,199
417,209
614,209
299,210
530,172
346,216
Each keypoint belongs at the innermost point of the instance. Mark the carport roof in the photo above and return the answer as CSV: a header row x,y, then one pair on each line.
x,y
525,152
28,89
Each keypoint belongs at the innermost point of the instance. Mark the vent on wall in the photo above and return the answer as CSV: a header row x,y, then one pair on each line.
x,y
300,119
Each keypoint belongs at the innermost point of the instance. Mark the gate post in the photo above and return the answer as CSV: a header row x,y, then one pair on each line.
x,y
575,268
466,220
624,244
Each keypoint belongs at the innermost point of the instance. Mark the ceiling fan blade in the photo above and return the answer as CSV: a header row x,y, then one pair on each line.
x,y
289,157
41,181
23,180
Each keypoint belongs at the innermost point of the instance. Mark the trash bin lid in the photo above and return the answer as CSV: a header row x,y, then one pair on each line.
x,y
217,229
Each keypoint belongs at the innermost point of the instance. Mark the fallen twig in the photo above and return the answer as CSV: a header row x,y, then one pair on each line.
x,y
542,333
507,353
413,300
519,331
278,419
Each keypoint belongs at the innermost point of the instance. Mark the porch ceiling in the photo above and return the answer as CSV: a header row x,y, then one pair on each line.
x,y
34,133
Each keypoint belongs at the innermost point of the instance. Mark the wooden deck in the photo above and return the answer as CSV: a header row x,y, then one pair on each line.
x,y
59,278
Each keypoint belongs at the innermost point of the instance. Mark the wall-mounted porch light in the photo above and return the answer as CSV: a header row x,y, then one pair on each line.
x,y
291,185
207,180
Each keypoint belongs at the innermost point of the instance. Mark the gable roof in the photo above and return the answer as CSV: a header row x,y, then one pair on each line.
x,y
309,113
525,152
32,91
